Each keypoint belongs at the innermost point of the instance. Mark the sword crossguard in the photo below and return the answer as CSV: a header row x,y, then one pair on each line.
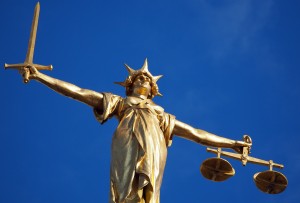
x,y
24,67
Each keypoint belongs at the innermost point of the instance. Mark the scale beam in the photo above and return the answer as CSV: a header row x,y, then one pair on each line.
x,y
241,157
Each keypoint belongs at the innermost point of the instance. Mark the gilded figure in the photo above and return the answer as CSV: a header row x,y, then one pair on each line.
x,y
144,133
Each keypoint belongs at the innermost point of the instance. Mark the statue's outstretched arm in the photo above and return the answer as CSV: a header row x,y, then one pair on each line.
x,y
205,138
89,97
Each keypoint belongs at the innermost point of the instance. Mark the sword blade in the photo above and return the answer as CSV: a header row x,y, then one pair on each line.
x,y
31,44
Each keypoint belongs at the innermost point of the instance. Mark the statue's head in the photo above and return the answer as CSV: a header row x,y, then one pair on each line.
x,y
141,80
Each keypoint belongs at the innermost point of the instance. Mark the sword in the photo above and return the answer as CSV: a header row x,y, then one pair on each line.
x,y
30,51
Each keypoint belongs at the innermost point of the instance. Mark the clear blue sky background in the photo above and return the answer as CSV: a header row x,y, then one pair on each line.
x,y
230,67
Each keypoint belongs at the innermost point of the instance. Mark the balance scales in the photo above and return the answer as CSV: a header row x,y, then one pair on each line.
x,y
218,169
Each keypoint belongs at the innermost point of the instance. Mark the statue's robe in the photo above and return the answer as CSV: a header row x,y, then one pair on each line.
x,y
139,146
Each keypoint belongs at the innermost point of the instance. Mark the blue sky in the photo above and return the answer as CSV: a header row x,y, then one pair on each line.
x,y
230,67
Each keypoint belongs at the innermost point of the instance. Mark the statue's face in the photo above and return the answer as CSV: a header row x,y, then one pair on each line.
x,y
142,81
141,85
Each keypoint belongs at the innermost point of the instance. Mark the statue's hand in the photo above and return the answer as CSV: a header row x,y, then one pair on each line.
x,y
29,72
239,146
33,72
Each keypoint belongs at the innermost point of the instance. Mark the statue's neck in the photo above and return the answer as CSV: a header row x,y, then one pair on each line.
x,y
141,93
140,96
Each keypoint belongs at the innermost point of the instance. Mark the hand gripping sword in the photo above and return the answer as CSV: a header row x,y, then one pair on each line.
x,y
29,56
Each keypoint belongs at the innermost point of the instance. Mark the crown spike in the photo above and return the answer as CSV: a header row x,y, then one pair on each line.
x,y
130,70
159,94
145,67
121,83
156,78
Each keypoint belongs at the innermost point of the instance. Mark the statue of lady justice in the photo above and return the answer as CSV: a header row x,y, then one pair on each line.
x,y
140,142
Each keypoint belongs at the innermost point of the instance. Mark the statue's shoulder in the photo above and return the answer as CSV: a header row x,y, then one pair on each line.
x,y
157,107
111,96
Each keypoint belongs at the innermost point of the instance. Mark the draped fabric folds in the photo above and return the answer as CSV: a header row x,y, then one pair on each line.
x,y
139,146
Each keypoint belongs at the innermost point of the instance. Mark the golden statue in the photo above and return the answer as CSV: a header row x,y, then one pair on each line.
x,y
139,145
144,132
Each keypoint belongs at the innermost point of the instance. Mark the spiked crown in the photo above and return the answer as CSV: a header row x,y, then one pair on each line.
x,y
143,71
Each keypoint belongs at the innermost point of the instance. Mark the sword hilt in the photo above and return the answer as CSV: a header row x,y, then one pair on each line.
x,y
24,67
30,51
26,75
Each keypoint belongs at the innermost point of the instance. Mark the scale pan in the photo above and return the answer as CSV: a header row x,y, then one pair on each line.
x,y
217,169
271,182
